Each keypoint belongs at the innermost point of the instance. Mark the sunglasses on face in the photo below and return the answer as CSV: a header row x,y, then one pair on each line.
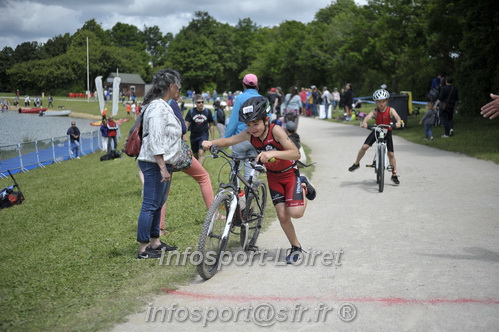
x,y
200,102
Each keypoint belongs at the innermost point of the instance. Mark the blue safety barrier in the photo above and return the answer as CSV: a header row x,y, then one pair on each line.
x,y
23,157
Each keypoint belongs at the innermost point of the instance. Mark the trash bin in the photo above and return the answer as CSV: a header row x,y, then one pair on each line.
x,y
401,105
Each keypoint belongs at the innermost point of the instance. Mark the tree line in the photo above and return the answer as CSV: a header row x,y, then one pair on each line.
x,y
401,43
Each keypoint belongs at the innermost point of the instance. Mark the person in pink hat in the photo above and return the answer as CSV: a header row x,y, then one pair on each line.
x,y
234,127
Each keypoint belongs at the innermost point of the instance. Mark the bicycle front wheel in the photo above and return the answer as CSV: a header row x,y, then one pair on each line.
x,y
253,215
381,168
211,242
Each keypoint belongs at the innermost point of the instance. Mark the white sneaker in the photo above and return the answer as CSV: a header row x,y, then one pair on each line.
x,y
445,136
451,132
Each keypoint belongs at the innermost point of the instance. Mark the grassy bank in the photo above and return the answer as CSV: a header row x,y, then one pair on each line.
x,y
68,260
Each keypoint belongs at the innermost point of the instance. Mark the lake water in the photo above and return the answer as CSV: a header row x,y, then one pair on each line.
x,y
17,128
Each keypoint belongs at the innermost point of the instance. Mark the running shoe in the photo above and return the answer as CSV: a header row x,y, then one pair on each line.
x,y
353,167
395,179
149,253
310,188
163,245
451,132
294,254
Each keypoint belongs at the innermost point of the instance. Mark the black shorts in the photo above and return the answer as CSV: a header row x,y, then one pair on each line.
x,y
389,141
196,143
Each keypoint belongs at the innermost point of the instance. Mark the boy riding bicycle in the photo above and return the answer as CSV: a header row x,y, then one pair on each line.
x,y
279,154
383,115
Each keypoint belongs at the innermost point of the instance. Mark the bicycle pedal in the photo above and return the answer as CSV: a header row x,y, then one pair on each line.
x,y
253,248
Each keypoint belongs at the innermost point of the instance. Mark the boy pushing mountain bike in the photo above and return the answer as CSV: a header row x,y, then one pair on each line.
x,y
279,154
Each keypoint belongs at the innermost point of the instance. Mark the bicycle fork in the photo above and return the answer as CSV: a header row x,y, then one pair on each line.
x,y
230,216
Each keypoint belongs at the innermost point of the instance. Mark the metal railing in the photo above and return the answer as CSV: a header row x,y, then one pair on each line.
x,y
23,157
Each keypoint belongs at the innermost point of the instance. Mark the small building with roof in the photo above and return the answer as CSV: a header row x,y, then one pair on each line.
x,y
130,84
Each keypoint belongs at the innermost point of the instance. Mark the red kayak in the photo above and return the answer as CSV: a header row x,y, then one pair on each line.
x,y
35,110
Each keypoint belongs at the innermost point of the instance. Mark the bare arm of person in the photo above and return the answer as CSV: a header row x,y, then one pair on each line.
x,y
290,153
366,119
225,142
165,176
394,114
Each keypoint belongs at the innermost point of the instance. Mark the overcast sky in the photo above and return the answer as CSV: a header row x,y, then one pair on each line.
x,y
40,20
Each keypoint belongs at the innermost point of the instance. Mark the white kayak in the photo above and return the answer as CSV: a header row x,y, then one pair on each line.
x,y
56,113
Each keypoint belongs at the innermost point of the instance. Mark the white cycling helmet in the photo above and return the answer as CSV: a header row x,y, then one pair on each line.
x,y
381,94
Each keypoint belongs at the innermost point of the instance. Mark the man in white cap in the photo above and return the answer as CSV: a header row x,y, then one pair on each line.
x,y
234,127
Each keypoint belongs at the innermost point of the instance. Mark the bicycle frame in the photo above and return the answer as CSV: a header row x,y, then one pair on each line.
x,y
381,161
233,190
380,141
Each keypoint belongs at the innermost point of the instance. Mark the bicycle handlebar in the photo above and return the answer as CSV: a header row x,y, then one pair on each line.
x,y
215,150
373,127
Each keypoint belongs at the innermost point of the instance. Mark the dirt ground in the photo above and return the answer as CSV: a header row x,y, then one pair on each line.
x,y
418,257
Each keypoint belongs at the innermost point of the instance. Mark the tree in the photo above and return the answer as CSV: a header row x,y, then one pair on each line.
x,y
57,45
6,61
156,45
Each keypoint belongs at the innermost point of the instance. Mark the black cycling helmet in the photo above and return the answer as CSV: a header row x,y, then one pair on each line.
x,y
253,109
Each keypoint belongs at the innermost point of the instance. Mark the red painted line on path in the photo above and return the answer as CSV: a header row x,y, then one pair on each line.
x,y
387,300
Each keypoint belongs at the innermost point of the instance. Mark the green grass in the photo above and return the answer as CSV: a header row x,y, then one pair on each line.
x,y
474,136
68,255
68,259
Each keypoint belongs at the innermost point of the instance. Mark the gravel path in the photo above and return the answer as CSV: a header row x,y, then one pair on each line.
x,y
421,256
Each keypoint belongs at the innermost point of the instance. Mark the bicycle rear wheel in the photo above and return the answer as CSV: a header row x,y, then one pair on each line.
x,y
381,168
253,214
211,244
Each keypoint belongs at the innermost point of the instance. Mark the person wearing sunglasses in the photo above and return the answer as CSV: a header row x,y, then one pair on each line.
x,y
199,121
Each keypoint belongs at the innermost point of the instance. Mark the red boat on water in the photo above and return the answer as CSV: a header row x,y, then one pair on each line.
x,y
34,110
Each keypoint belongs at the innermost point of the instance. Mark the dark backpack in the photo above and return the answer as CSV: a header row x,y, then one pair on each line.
x,y
134,139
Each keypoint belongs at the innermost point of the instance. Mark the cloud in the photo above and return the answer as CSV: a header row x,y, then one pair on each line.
x,y
32,21
40,20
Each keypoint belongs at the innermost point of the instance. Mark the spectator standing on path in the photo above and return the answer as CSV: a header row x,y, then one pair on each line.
x,y
219,116
348,101
271,96
446,103
104,134
292,106
74,137
235,125
428,121
199,121
315,100
112,134
326,100
303,98
159,151
50,101
26,101
336,99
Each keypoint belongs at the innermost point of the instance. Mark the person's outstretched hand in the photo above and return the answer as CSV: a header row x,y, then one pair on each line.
x,y
491,109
